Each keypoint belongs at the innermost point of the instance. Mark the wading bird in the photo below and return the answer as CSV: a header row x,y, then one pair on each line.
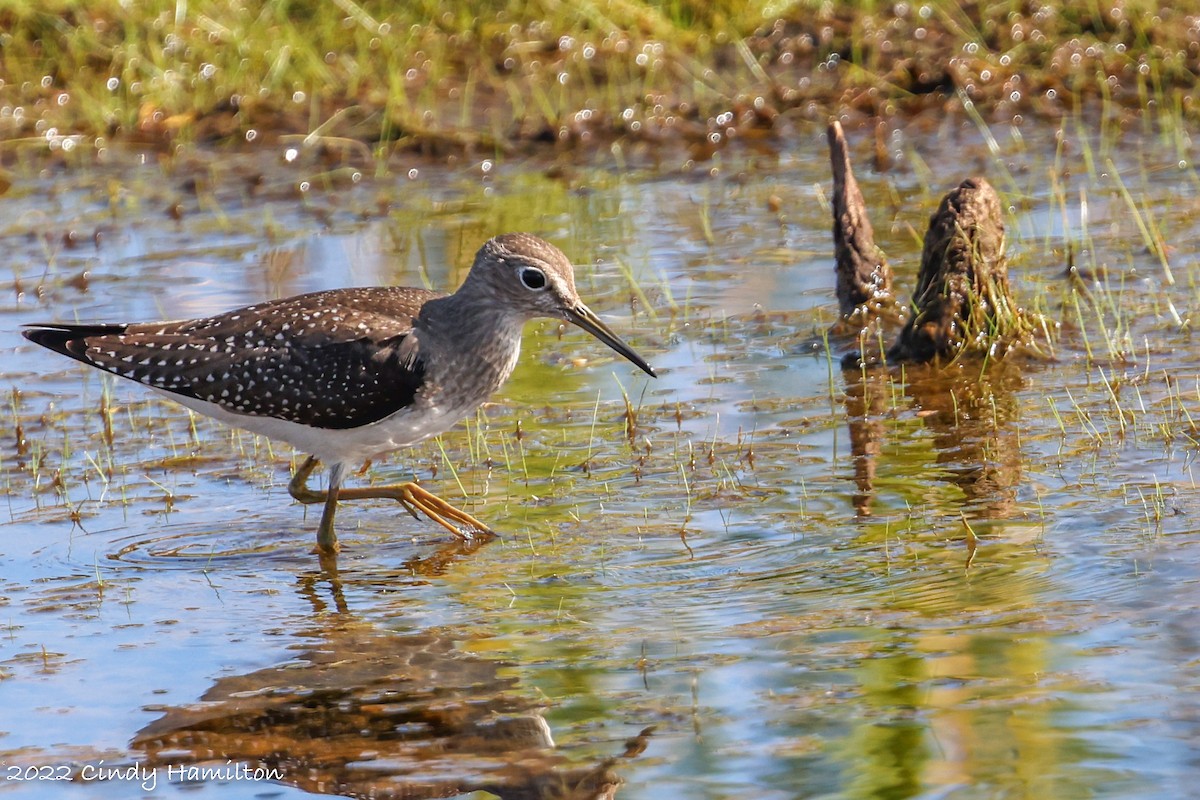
x,y
349,374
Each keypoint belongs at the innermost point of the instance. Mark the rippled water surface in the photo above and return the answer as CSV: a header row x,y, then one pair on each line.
x,y
759,575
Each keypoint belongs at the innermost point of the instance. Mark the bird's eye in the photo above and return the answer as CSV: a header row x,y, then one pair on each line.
x,y
533,279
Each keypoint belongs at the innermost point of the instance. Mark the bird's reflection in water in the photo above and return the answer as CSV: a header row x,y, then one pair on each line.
x,y
364,712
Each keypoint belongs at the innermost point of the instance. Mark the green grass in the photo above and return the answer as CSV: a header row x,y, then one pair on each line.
x,y
494,76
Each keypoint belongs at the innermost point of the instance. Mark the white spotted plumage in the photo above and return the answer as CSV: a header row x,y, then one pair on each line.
x,y
348,374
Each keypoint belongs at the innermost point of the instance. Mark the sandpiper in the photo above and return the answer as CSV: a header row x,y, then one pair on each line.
x,y
349,374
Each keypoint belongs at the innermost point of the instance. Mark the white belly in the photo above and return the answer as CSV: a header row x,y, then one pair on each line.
x,y
402,429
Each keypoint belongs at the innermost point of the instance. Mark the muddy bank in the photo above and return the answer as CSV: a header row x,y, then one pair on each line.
x,y
537,79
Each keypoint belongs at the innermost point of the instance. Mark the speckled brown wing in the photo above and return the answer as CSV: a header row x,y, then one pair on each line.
x,y
336,359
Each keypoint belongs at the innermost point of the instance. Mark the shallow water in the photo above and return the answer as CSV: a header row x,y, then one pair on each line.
x,y
768,564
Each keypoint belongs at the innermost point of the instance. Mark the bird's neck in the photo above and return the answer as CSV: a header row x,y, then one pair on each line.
x,y
474,341
465,318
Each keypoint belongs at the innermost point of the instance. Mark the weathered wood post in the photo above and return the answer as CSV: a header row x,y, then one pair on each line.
x,y
962,301
864,279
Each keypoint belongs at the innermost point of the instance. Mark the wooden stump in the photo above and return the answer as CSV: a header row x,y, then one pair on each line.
x,y
962,302
864,279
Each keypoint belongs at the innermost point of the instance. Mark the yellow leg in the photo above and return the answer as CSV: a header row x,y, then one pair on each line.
x,y
327,543
298,486
415,500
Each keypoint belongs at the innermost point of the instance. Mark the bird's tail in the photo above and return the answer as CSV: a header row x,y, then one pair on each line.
x,y
68,339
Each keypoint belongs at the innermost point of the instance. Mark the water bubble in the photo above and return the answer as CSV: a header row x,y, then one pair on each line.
x,y
413,173
251,135
291,154
207,70
299,96
486,166
113,84
305,186
63,98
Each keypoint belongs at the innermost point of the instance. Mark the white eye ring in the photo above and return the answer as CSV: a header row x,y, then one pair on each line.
x,y
532,278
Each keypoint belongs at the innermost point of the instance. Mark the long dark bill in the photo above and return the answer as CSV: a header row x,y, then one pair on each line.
x,y
583,316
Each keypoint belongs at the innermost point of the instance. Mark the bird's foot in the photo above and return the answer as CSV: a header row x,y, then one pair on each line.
x,y
416,499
